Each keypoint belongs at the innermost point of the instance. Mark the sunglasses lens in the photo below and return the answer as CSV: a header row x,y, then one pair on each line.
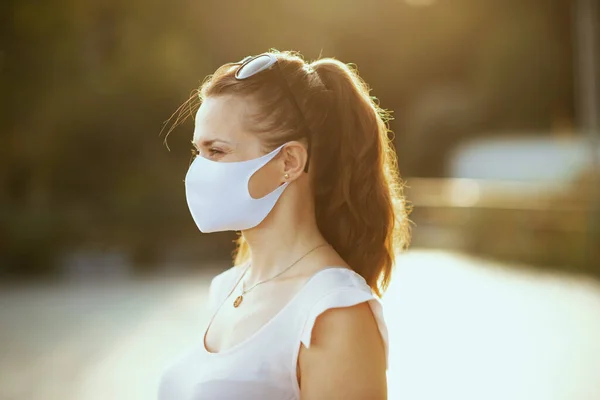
x,y
255,65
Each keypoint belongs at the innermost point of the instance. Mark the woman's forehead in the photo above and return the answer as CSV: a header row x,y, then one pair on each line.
x,y
221,118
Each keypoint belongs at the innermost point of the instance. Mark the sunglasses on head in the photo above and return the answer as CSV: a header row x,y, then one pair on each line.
x,y
251,66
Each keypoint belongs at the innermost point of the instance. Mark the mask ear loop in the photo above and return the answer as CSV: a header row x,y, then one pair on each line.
x,y
269,157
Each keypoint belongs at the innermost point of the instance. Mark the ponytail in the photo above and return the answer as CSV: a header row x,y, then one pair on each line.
x,y
359,205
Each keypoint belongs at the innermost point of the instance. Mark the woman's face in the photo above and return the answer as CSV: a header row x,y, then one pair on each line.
x,y
219,135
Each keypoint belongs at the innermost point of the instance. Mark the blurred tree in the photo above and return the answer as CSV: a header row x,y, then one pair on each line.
x,y
522,68
87,85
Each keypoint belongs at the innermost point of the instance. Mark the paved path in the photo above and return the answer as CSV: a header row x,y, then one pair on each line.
x,y
95,341
460,329
469,330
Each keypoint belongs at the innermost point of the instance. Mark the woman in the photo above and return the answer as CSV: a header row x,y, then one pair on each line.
x,y
296,156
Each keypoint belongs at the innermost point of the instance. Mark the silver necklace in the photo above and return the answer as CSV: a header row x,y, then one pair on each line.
x,y
238,300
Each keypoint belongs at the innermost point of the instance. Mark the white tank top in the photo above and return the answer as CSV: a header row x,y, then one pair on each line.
x,y
263,366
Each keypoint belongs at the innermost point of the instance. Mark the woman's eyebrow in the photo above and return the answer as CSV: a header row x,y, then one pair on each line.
x,y
209,142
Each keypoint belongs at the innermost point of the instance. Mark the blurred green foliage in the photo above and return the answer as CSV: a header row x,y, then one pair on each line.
x,y
87,85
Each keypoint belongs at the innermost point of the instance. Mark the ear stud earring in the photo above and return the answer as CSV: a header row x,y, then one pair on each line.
x,y
286,176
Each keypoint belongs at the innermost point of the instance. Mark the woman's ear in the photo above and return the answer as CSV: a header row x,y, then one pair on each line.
x,y
294,158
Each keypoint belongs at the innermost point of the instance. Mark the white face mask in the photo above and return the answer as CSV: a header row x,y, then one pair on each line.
x,y
218,197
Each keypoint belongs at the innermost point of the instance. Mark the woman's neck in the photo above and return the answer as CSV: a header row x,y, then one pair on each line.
x,y
282,238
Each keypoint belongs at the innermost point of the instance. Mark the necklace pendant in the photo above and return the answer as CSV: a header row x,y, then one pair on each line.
x,y
238,301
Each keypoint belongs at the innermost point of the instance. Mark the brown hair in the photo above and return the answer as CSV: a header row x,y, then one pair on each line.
x,y
359,206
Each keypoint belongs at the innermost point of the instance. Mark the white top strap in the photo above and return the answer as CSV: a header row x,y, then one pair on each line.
x,y
353,292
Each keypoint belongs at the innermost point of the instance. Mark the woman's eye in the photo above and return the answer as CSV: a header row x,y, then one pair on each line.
x,y
212,152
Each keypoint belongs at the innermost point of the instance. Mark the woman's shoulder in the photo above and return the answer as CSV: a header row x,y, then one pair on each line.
x,y
337,288
339,298
333,279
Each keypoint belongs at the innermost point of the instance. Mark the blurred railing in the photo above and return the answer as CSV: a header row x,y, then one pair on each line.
x,y
534,223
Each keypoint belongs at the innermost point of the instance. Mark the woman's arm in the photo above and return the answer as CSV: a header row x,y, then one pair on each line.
x,y
346,357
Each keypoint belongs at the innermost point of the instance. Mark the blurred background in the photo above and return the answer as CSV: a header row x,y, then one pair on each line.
x,y
103,273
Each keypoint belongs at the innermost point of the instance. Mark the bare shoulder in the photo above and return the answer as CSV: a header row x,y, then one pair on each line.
x,y
347,328
346,357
